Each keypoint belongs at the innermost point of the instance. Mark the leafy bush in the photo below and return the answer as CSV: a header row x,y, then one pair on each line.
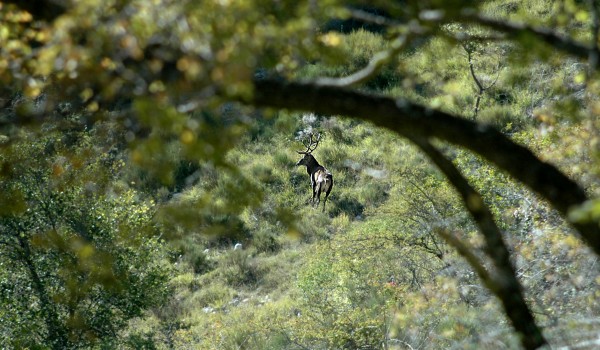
x,y
238,269
347,205
74,246
215,295
265,242
200,262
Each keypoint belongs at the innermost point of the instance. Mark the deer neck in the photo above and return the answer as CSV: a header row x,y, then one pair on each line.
x,y
312,165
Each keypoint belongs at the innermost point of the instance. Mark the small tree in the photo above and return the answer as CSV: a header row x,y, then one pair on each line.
x,y
78,261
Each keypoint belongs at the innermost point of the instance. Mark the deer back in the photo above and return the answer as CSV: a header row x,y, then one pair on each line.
x,y
320,174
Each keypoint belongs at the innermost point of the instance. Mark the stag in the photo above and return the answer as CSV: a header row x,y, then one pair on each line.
x,y
320,179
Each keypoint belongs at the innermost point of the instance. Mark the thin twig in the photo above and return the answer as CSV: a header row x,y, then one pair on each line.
x,y
466,251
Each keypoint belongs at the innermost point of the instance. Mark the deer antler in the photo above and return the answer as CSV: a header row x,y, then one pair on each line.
x,y
311,143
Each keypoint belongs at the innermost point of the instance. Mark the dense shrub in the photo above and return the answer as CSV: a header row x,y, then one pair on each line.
x,y
238,269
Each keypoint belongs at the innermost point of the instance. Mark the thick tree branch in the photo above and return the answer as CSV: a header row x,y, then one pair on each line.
x,y
503,283
412,120
44,10
511,29
546,35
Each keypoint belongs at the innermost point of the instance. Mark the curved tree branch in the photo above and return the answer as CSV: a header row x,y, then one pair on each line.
x,y
547,35
480,87
503,283
411,120
373,18
375,65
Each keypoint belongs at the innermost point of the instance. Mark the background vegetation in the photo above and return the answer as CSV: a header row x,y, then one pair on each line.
x,y
129,175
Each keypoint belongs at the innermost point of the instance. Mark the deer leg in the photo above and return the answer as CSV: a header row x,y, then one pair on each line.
x,y
314,188
328,187
325,200
317,195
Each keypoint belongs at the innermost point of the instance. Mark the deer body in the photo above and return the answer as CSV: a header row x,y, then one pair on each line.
x,y
320,179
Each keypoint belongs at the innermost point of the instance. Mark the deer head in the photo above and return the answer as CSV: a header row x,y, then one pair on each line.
x,y
311,144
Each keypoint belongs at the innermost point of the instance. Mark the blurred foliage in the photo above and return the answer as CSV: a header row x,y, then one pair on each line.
x,y
141,209
80,262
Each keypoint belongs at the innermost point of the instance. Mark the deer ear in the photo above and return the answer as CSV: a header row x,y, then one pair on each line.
x,y
301,152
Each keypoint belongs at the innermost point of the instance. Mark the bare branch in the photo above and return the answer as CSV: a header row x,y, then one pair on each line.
x,y
470,58
480,86
467,38
374,19
496,79
378,61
